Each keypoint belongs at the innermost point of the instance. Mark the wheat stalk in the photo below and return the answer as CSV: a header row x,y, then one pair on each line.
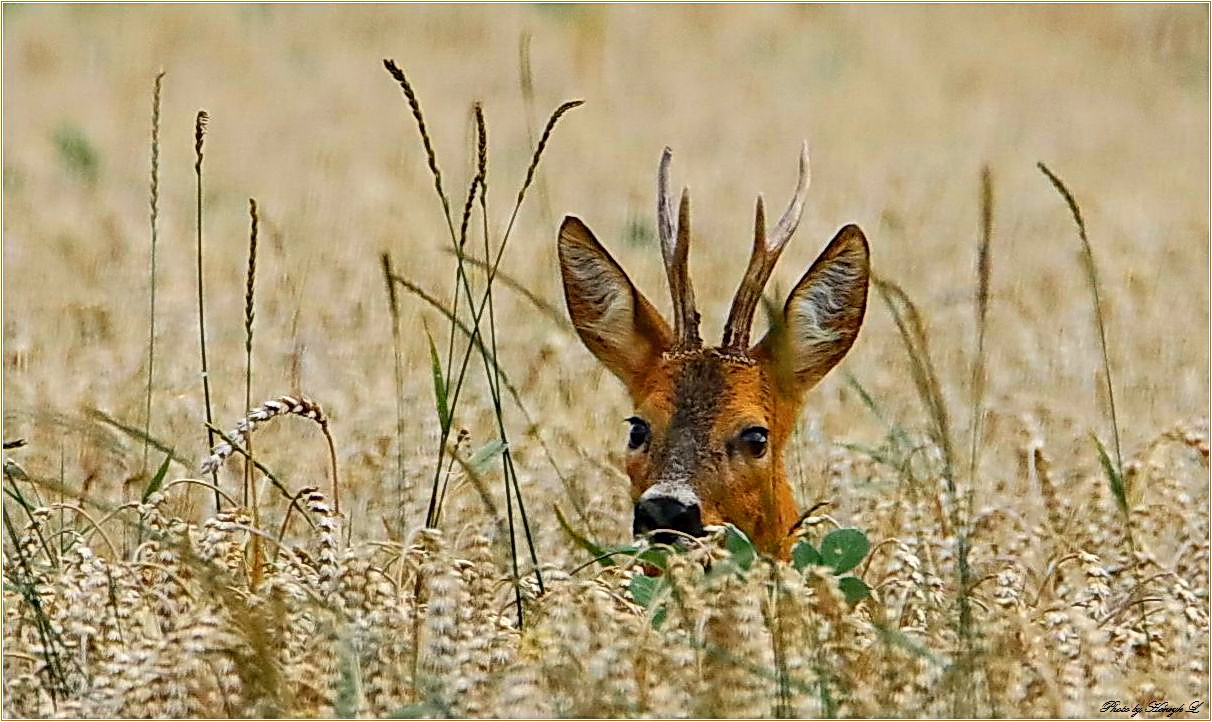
x,y
267,411
250,489
154,203
200,123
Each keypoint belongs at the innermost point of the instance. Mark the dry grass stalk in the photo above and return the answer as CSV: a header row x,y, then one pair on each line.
x,y
431,158
336,622
283,405
1091,271
403,485
250,489
200,123
154,203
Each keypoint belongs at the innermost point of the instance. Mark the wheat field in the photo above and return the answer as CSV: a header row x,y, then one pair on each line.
x,y
1030,579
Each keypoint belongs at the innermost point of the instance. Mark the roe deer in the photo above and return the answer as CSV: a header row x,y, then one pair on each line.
x,y
710,424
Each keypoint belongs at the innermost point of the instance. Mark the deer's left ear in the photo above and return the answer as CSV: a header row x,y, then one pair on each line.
x,y
822,315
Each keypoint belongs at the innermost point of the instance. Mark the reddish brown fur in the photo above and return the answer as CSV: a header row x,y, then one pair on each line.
x,y
698,401
751,493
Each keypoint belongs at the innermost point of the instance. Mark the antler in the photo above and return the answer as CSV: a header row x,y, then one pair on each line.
x,y
766,251
675,248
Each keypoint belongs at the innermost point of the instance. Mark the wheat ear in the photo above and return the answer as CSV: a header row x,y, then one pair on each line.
x,y
281,406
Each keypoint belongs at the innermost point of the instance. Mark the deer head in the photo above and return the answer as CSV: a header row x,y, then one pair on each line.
x,y
706,439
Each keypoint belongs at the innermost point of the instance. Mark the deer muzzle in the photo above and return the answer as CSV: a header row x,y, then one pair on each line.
x,y
666,511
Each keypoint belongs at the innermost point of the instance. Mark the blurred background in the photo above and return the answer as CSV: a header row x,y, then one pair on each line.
x,y
902,107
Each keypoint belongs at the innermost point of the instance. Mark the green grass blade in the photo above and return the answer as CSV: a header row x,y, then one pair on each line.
x,y
896,638
1115,480
644,588
158,480
1091,271
439,385
12,491
579,539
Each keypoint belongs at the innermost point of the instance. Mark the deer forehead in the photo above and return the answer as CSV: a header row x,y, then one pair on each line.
x,y
706,391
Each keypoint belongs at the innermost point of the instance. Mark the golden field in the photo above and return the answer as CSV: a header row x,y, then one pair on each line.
x,y
169,610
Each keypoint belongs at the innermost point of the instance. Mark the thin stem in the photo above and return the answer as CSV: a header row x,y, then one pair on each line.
x,y
402,487
154,201
273,479
294,502
336,485
249,311
493,374
514,393
199,482
199,135
983,270
1092,280
460,281
1092,277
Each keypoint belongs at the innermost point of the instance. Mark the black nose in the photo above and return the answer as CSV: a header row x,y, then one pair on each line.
x,y
663,512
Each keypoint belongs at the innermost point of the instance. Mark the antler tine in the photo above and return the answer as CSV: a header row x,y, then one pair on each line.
x,y
688,326
759,225
766,252
675,250
791,217
665,223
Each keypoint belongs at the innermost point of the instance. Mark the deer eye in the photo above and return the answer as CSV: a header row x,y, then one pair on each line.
x,y
754,439
639,434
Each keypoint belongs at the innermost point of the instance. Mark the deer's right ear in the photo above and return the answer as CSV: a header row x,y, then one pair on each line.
x,y
611,316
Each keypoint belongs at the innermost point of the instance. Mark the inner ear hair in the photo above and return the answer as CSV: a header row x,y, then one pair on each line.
x,y
614,320
822,315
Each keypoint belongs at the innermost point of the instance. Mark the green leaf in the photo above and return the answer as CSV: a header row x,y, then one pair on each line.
x,y
843,549
644,588
854,588
158,480
479,460
804,554
439,385
1114,479
739,546
652,556
659,618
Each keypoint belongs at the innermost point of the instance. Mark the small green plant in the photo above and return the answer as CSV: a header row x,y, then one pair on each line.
x,y
651,593
841,551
